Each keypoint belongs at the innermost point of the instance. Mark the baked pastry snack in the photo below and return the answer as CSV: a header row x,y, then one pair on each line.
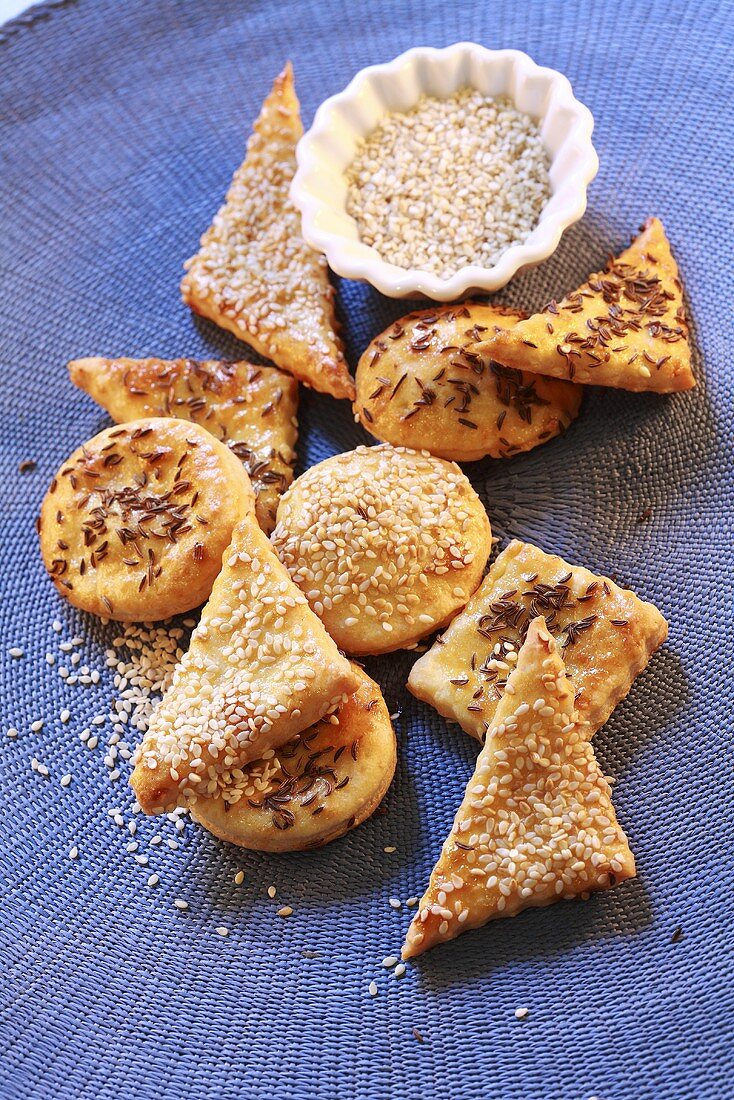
x,y
422,384
607,635
537,822
254,274
625,327
259,669
136,521
387,544
251,408
316,787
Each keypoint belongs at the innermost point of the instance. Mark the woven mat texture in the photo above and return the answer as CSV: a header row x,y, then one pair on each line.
x,y
120,125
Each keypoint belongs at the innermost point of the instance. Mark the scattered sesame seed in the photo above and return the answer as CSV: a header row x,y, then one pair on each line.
x,y
396,903
271,891
15,651
74,853
239,878
399,970
372,989
389,961
180,904
390,849
222,931
285,911
65,780
65,716
56,626
153,880
521,1013
11,732
37,726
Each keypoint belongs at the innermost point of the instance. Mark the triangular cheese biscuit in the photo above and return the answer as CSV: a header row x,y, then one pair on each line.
x,y
260,668
607,635
254,274
537,822
625,327
251,408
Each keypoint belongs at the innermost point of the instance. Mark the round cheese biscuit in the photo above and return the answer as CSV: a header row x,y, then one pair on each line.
x,y
423,384
315,787
386,543
136,521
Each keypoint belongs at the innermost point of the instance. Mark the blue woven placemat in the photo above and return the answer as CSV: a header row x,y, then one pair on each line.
x,y
120,125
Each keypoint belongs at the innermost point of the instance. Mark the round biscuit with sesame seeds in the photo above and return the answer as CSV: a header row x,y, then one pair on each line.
x,y
386,543
135,522
317,786
422,383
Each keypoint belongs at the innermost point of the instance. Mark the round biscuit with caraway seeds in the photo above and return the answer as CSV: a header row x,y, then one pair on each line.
x,y
135,522
386,543
315,787
423,383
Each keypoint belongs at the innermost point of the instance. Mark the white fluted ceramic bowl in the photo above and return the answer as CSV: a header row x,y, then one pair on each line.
x,y
319,188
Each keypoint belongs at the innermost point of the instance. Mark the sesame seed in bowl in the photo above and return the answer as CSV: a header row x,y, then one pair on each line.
x,y
451,182
444,172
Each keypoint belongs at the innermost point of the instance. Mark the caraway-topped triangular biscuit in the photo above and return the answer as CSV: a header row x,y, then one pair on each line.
x,y
260,668
607,636
254,274
625,327
249,407
537,822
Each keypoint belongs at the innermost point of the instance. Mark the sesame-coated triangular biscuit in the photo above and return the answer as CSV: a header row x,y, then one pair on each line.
x,y
260,668
606,633
249,407
254,274
537,822
625,327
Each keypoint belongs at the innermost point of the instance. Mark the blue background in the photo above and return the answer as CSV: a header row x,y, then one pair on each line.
x,y
120,126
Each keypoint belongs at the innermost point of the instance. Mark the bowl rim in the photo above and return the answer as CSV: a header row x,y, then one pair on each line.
x,y
399,282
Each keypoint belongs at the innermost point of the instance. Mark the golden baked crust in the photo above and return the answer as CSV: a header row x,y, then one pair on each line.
x,y
260,668
625,327
254,274
136,521
536,823
606,633
324,782
251,408
386,543
421,383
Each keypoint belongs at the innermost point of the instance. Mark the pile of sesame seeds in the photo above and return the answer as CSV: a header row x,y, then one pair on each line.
x,y
141,660
449,183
